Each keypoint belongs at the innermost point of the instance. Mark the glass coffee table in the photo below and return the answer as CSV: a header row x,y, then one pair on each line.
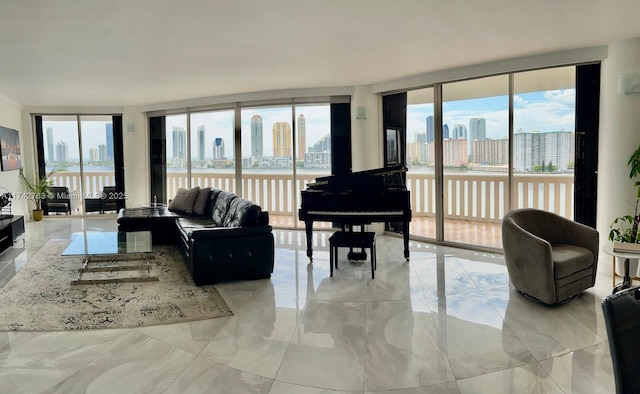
x,y
107,250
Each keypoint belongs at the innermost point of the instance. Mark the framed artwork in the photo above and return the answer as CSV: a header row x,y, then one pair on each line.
x,y
10,149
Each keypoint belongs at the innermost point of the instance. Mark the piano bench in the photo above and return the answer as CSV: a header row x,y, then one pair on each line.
x,y
348,239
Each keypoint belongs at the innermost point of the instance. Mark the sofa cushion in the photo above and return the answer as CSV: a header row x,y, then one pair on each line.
x,y
221,207
201,202
242,213
213,197
187,225
569,259
184,199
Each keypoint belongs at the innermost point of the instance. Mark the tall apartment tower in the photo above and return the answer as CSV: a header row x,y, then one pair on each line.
x,y
62,152
282,139
430,129
302,137
179,143
103,153
218,149
93,154
421,145
109,138
201,142
50,150
477,131
256,136
459,132
445,131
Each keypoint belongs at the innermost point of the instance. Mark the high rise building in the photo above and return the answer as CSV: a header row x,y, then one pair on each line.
x,y
281,139
430,129
102,153
109,138
301,136
93,155
218,149
477,131
200,146
490,151
50,151
256,136
62,152
319,155
459,132
179,143
421,146
454,152
540,149
445,131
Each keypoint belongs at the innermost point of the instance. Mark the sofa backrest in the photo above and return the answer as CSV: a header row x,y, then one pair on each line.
x,y
242,213
221,207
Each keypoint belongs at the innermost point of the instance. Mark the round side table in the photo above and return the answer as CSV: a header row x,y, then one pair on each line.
x,y
626,279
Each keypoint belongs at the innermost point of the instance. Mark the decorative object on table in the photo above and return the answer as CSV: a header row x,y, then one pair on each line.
x,y
38,189
40,298
624,229
10,149
5,203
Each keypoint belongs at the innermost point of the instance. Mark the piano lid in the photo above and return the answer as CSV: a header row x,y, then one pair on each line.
x,y
375,179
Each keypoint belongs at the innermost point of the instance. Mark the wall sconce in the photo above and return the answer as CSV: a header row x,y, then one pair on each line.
x,y
361,112
628,83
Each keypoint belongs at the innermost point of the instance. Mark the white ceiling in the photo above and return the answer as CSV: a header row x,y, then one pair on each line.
x,y
139,52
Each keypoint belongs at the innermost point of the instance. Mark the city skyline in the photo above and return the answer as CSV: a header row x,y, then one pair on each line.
x,y
551,110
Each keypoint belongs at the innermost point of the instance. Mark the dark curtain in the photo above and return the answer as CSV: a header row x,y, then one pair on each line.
x,y
586,150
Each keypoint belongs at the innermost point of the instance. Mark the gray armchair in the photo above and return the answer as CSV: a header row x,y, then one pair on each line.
x,y
549,258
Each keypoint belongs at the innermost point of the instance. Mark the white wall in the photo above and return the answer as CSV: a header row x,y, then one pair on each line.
x,y
11,117
619,136
366,130
136,156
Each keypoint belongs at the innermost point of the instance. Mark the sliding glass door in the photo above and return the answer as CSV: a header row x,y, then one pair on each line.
x,y
81,153
475,159
502,142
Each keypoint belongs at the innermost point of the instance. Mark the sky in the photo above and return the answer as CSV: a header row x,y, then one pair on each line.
x,y
543,111
552,110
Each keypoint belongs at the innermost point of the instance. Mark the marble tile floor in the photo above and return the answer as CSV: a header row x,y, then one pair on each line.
x,y
446,322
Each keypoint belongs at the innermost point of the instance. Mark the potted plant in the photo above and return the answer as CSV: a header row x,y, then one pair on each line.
x,y
624,229
38,189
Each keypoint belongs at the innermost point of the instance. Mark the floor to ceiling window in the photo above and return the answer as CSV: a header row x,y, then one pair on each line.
x,y
421,162
267,160
177,153
80,149
544,140
282,146
475,155
477,189
213,149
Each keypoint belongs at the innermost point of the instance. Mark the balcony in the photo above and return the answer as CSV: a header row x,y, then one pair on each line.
x,y
474,202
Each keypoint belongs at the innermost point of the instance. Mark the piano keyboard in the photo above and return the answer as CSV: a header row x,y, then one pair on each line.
x,y
356,213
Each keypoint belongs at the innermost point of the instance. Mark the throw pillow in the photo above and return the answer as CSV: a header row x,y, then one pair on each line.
x,y
200,205
184,199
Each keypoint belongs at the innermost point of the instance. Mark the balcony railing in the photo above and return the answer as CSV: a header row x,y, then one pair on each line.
x,y
470,196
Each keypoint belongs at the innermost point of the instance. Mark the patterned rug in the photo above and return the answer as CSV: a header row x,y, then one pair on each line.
x,y
40,297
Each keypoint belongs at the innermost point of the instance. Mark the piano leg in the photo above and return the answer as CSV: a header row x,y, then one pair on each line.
x,y
405,235
308,226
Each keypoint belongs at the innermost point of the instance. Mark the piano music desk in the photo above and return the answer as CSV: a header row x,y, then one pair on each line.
x,y
348,239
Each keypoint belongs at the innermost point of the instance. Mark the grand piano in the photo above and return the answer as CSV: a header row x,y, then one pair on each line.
x,y
357,198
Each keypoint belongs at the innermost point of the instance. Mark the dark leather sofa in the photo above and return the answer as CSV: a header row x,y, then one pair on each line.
x,y
228,239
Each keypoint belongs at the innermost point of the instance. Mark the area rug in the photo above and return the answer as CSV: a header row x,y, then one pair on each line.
x,y
40,297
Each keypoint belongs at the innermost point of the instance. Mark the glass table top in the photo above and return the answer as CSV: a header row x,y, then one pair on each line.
x,y
108,242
